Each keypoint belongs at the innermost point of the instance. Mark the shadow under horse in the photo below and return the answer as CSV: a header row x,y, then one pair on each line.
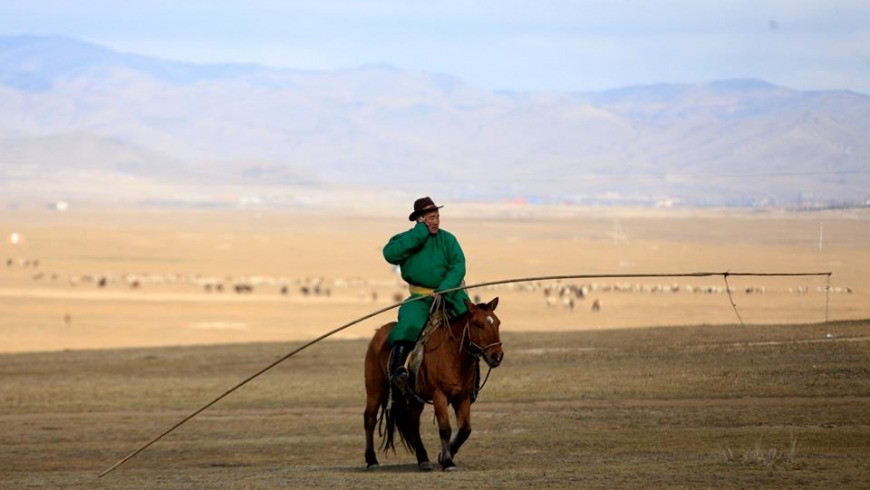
x,y
445,378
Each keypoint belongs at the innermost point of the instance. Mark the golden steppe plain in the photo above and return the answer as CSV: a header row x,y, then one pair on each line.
x,y
661,388
157,264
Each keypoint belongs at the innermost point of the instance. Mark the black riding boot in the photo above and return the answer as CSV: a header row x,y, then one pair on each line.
x,y
398,372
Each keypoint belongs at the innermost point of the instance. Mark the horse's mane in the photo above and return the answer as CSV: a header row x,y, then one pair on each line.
x,y
483,306
459,319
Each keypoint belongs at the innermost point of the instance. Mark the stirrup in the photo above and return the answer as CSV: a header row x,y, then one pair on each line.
x,y
400,380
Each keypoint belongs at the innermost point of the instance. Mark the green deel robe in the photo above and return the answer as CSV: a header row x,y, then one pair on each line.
x,y
430,261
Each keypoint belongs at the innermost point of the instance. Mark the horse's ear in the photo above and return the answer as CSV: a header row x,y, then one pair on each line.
x,y
471,306
493,304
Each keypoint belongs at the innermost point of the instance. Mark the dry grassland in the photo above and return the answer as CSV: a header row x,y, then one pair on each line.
x,y
602,399
678,407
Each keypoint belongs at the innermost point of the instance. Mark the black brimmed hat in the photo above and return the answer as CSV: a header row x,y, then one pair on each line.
x,y
423,206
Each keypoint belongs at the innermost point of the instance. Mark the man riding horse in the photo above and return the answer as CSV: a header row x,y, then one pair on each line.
x,y
430,260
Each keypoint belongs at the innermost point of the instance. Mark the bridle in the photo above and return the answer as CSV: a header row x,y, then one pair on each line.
x,y
477,351
473,348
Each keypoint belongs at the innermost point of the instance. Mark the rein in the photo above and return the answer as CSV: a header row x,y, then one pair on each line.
x,y
481,351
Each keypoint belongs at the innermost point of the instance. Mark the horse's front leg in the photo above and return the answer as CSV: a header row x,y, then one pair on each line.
x,y
442,415
415,410
463,422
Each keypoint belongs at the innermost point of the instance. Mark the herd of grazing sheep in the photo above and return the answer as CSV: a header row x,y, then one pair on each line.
x,y
556,293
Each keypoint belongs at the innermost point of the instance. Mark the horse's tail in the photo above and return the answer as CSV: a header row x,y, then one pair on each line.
x,y
397,416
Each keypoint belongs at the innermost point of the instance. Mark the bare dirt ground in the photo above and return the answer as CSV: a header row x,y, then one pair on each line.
x,y
596,399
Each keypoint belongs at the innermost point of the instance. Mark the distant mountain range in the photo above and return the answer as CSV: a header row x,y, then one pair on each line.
x,y
79,121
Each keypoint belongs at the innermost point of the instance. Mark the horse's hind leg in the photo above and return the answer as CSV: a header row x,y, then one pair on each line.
x,y
370,417
376,394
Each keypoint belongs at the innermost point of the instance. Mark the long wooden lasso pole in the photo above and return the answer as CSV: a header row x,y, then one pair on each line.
x,y
417,298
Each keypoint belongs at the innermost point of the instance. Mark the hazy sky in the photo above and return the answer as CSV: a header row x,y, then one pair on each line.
x,y
505,44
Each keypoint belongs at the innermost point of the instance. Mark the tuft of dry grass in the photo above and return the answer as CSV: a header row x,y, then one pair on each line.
x,y
759,456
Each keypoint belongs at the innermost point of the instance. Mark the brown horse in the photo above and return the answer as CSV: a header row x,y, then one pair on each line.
x,y
446,377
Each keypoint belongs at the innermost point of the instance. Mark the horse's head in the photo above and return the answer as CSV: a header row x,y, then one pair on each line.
x,y
482,331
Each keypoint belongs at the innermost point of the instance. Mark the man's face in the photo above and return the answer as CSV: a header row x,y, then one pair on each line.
x,y
432,219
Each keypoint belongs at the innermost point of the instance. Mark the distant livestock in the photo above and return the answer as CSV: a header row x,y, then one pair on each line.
x,y
22,263
558,294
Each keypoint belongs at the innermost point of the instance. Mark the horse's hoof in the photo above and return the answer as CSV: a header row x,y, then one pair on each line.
x,y
446,464
373,466
425,466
